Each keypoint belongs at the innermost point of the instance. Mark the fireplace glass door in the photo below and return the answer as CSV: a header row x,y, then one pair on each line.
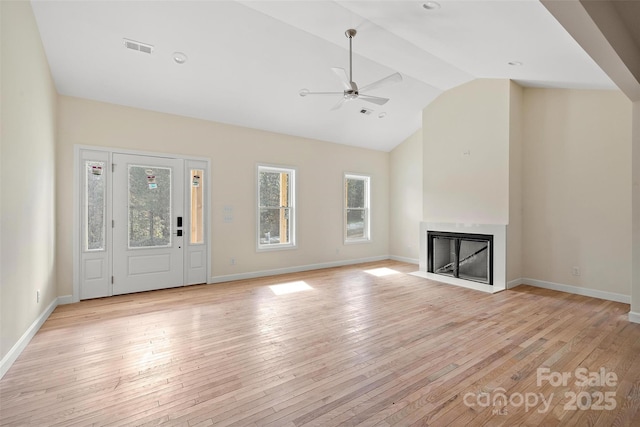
x,y
463,256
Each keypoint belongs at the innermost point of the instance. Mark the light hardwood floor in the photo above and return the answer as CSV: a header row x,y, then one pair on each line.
x,y
355,349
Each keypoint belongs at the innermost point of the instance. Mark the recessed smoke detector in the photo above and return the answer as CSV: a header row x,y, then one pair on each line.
x,y
140,47
382,115
431,5
365,111
179,58
515,63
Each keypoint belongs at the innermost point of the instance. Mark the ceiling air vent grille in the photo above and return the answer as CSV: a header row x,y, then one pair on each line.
x,y
134,45
365,111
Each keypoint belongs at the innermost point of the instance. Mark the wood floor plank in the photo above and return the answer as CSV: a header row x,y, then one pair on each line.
x,y
355,349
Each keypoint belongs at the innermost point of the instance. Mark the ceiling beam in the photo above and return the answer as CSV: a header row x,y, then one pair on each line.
x,y
600,31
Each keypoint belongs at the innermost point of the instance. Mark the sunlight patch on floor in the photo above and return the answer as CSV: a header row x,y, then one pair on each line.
x,y
291,287
380,272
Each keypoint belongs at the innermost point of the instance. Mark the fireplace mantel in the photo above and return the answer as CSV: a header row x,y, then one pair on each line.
x,y
499,233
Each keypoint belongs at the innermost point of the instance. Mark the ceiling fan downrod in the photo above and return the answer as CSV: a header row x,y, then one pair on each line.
x,y
350,33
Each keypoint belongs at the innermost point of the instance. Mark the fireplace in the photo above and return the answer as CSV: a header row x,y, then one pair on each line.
x,y
461,255
469,255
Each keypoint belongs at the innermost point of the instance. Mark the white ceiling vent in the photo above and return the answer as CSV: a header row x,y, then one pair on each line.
x,y
134,45
365,111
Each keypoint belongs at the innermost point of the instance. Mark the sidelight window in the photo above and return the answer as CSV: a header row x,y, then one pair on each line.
x,y
197,200
95,206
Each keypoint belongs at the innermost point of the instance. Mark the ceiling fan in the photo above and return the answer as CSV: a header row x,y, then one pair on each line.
x,y
351,90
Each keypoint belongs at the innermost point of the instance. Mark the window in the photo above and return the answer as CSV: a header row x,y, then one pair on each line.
x,y
276,207
197,200
95,206
149,206
356,208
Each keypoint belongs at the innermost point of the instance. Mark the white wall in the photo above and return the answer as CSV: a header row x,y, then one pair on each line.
x,y
27,178
234,152
466,154
405,198
576,187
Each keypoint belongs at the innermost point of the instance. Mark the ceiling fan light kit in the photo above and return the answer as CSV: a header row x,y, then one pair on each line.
x,y
351,90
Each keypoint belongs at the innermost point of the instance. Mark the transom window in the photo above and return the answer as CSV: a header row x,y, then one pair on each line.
x,y
356,208
276,207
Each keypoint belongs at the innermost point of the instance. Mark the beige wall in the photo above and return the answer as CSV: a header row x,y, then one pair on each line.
x,y
27,178
635,231
466,154
552,164
576,186
514,229
234,154
405,198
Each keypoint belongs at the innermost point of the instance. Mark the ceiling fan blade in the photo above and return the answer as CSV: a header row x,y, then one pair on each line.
x,y
339,104
374,99
393,78
342,75
305,92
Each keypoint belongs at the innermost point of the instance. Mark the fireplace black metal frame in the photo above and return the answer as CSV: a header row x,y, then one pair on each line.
x,y
431,234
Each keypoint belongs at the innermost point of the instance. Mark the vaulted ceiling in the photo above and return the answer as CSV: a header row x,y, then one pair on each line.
x,y
246,61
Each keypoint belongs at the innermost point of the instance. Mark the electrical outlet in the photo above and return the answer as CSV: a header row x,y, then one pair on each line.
x,y
575,271
37,296
232,261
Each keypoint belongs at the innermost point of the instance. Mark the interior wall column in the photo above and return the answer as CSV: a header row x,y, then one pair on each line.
x,y
634,314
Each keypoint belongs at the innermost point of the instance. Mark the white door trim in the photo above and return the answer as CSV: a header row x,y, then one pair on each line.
x,y
78,207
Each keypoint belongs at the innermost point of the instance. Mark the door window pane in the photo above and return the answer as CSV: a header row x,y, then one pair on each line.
x,y
149,206
197,188
95,189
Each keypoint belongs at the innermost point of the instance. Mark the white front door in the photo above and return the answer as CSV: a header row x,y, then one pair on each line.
x,y
148,218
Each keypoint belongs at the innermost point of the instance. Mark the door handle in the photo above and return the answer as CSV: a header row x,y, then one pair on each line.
x,y
178,233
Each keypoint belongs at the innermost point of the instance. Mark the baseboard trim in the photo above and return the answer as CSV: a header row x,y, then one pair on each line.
x,y
65,299
24,340
634,317
297,269
404,259
594,293
514,283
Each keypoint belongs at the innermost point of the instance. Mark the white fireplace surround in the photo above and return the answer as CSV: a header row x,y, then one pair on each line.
x,y
499,233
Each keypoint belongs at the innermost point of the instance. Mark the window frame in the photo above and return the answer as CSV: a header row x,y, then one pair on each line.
x,y
291,196
366,209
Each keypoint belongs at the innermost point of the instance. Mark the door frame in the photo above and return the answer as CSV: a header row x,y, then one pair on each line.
x,y
78,207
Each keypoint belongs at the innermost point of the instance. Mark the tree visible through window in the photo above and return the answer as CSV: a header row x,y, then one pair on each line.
x,y
356,212
275,207
149,206
95,190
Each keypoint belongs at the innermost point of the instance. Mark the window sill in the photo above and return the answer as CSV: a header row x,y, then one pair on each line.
x,y
270,248
356,241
